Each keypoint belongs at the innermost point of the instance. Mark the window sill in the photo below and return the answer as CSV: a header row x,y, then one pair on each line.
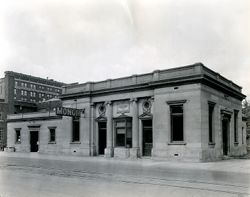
x,y
18,143
77,142
122,147
236,143
52,143
211,144
177,143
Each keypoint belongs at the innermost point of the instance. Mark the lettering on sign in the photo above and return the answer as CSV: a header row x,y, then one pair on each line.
x,y
123,107
64,111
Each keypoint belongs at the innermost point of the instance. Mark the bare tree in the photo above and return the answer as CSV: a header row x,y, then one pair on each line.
x,y
246,107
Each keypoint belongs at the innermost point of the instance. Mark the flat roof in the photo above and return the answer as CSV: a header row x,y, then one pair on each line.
x,y
185,74
34,78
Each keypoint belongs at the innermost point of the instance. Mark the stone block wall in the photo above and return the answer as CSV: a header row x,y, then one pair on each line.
x,y
222,102
191,147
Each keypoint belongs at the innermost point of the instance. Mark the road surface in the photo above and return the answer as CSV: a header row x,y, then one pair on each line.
x,y
41,175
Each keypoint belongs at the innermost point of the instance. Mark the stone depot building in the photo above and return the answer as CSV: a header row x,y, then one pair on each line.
x,y
186,113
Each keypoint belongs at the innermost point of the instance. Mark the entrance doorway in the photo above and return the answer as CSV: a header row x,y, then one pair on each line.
x,y
225,140
34,141
102,127
147,142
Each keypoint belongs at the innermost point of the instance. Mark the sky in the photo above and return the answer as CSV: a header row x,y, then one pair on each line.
x,y
93,40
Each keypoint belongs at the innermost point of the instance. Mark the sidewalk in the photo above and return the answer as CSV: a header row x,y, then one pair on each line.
x,y
231,165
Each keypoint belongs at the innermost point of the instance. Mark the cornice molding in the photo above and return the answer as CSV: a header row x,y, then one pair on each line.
x,y
34,119
201,78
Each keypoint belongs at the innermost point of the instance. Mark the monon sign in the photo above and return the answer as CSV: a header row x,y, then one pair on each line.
x,y
64,111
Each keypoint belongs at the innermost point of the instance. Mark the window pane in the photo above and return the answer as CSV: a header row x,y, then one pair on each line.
x,y
76,133
129,143
177,128
18,136
210,122
121,124
52,135
120,139
235,126
120,131
129,138
129,124
124,133
129,133
177,109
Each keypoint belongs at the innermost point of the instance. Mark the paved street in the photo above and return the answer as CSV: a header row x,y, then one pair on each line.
x,y
34,174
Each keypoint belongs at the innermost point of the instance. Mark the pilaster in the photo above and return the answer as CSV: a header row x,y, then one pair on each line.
x,y
92,130
135,151
109,149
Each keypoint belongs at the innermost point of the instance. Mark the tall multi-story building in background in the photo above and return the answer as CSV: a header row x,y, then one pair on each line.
x,y
3,113
20,93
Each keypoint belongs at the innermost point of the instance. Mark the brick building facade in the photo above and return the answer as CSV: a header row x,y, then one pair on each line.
x,y
21,93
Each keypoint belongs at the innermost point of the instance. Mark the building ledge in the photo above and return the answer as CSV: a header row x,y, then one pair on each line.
x,y
177,143
75,142
211,144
